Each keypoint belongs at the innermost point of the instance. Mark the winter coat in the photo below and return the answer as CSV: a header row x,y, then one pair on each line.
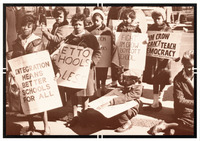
x,y
35,44
57,34
157,71
86,40
184,99
122,27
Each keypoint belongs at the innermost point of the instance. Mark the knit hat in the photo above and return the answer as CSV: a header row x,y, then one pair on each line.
x,y
100,12
158,12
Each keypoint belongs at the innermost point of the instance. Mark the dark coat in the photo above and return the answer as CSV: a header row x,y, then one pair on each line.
x,y
157,71
57,34
101,73
183,99
86,40
18,50
34,46
128,28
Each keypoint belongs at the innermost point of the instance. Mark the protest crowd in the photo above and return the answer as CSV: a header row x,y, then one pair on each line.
x,y
74,65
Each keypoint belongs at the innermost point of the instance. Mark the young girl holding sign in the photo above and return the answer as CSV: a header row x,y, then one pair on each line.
x,y
99,28
128,25
26,43
157,70
82,37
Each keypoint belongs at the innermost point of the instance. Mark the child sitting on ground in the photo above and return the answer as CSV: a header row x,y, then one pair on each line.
x,y
132,90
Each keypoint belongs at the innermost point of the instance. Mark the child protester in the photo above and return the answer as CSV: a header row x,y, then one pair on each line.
x,y
99,28
158,70
132,90
129,24
26,43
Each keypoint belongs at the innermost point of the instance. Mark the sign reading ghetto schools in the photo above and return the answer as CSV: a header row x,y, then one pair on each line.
x,y
35,77
163,44
74,63
105,44
131,50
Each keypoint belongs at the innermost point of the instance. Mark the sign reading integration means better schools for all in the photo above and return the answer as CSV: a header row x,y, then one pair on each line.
x,y
35,76
131,50
105,44
163,44
74,63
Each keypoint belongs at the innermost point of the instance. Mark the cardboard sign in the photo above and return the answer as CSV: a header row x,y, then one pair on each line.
x,y
113,110
163,44
35,77
131,50
105,44
74,63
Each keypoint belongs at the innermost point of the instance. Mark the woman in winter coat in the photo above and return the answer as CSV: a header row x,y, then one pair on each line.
x,y
59,30
27,42
82,37
157,70
99,28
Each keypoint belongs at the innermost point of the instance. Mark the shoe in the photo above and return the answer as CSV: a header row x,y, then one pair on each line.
x,y
47,132
150,108
124,127
73,122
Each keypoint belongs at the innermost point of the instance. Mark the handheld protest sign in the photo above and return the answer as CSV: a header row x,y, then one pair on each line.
x,y
164,45
105,44
35,77
113,110
74,63
131,51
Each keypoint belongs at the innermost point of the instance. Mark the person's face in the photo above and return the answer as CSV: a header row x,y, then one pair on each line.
x,y
27,29
97,21
60,18
127,20
79,27
189,68
158,20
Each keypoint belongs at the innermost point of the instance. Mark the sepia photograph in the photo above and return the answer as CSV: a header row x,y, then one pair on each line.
x,y
99,70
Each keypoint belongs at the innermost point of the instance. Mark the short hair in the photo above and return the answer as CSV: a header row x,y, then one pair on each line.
x,y
58,10
78,17
158,12
187,57
29,19
128,12
86,11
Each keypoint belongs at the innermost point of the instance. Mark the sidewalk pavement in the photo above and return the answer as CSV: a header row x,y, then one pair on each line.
x,y
17,123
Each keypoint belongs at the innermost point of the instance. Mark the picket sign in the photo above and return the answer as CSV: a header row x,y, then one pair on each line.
x,y
74,63
113,110
105,44
34,75
164,45
131,51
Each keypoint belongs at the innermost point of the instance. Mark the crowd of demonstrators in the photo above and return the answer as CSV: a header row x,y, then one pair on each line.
x,y
85,27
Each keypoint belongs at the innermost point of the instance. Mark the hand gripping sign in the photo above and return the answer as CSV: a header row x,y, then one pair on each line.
x,y
35,77
105,44
131,51
163,44
74,63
